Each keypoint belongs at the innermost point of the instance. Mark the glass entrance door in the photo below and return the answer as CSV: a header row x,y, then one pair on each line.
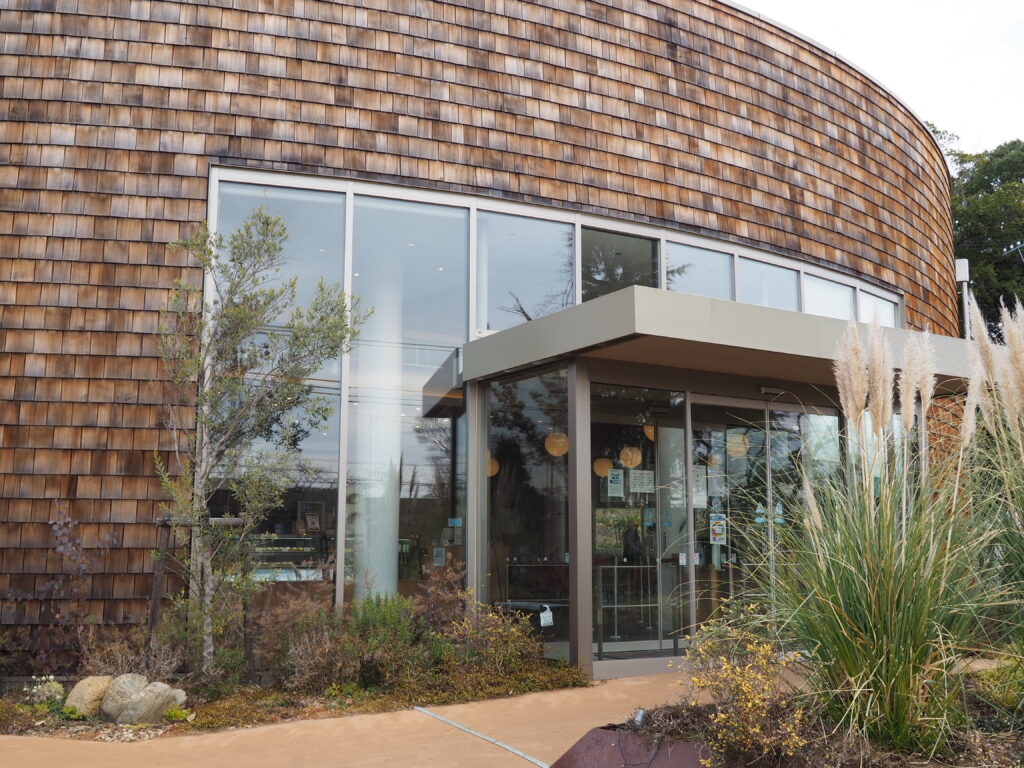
x,y
638,486
729,489
687,496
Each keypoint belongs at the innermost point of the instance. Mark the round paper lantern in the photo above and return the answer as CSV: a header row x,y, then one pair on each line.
x,y
737,445
601,467
492,465
630,456
557,443
649,431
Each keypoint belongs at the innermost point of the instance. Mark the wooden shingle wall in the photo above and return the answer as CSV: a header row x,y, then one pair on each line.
x,y
687,114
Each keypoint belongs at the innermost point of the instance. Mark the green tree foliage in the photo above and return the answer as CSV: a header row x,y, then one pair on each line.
x,y
239,359
988,216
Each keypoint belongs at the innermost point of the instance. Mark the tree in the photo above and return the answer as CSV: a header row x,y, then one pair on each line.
x,y
238,360
988,216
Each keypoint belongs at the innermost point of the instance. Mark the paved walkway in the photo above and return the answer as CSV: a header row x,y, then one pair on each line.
x,y
541,726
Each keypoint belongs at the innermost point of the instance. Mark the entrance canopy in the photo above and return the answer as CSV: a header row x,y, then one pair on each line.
x,y
656,327
615,449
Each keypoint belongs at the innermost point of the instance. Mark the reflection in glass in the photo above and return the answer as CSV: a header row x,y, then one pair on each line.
x,y
301,532
638,489
528,501
767,285
315,246
828,298
730,494
524,269
612,261
803,445
699,271
876,308
410,265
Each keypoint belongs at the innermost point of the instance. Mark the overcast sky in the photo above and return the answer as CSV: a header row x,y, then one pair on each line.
x,y
956,63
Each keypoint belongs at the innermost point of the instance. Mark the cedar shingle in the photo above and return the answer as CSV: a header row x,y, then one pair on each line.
x,y
700,118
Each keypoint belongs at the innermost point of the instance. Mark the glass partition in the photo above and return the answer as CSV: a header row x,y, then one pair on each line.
x,y
612,261
524,269
699,271
527,467
414,275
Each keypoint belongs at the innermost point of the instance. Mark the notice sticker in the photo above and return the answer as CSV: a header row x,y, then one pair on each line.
x,y
616,484
718,528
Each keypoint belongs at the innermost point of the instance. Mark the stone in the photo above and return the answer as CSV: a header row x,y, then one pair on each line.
x,y
148,705
121,690
180,697
88,693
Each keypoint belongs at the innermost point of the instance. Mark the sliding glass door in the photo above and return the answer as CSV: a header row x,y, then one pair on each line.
x,y
640,524
688,493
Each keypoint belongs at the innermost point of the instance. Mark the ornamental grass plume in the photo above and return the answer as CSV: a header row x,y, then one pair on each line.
x,y
882,577
996,448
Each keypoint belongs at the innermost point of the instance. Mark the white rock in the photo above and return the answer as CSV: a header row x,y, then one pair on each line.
x,y
88,693
121,690
180,697
148,705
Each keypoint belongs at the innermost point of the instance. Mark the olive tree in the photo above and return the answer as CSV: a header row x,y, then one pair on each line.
x,y
238,360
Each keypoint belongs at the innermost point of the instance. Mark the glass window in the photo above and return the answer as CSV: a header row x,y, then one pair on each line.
x,y
829,298
524,269
316,229
612,261
699,271
300,534
410,264
872,307
527,465
768,285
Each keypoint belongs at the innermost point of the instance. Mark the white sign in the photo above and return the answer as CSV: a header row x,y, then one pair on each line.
x,y
700,487
718,528
641,480
547,618
716,485
616,484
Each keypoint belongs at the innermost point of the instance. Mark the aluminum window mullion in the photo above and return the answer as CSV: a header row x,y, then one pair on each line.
x,y
663,263
343,415
577,262
473,324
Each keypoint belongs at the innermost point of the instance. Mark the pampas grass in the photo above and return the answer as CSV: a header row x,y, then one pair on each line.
x,y
881,579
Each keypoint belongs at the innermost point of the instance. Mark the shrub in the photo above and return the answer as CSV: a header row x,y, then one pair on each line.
x,y
45,692
118,651
313,655
177,715
384,637
754,716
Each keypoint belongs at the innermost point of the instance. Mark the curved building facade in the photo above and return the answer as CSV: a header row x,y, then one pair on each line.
x,y
477,173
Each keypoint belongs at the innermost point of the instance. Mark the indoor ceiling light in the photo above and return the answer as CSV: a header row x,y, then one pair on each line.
x,y
557,444
631,456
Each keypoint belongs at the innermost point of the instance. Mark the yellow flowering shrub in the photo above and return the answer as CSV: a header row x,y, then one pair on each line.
x,y
753,716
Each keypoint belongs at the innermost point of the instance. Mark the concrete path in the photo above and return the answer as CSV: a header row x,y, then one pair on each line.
x,y
542,726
